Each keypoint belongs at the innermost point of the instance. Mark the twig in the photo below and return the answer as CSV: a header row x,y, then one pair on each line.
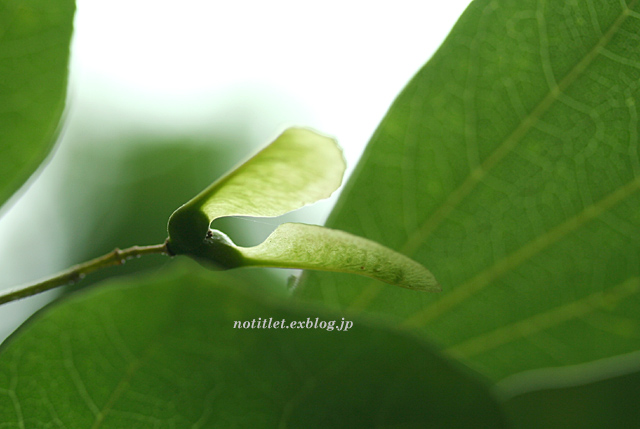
x,y
78,272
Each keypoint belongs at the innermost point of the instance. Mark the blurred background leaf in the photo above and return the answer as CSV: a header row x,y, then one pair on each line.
x,y
565,399
161,351
509,167
114,187
33,61
120,193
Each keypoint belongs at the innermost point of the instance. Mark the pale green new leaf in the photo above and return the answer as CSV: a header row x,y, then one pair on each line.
x,y
296,245
298,168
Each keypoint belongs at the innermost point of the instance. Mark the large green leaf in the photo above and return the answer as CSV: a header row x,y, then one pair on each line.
x,y
510,167
564,399
163,352
34,51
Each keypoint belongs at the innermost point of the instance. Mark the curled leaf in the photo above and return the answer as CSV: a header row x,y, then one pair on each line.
x,y
300,167
296,245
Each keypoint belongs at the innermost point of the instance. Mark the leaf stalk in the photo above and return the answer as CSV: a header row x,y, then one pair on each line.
x,y
78,272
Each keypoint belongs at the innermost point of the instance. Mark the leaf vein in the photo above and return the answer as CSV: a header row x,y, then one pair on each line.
x,y
76,378
544,46
477,174
483,279
132,368
543,321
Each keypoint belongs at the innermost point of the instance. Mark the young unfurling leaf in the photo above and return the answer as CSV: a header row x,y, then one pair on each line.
x,y
296,245
300,167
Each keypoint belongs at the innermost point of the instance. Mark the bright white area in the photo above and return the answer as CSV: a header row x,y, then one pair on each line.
x,y
168,64
174,67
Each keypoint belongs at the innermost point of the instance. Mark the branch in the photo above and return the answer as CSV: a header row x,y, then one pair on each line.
x,y
78,272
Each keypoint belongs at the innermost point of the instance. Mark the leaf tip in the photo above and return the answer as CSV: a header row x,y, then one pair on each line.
x,y
420,279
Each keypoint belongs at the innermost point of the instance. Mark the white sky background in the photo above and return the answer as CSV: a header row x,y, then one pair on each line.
x,y
168,64
174,67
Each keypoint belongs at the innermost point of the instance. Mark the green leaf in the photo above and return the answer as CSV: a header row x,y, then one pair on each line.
x,y
163,352
298,168
296,245
34,53
154,175
509,165
610,396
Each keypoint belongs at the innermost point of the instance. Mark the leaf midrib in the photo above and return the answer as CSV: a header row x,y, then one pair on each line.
x,y
419,236
524,253
543,321
136,363
120,388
